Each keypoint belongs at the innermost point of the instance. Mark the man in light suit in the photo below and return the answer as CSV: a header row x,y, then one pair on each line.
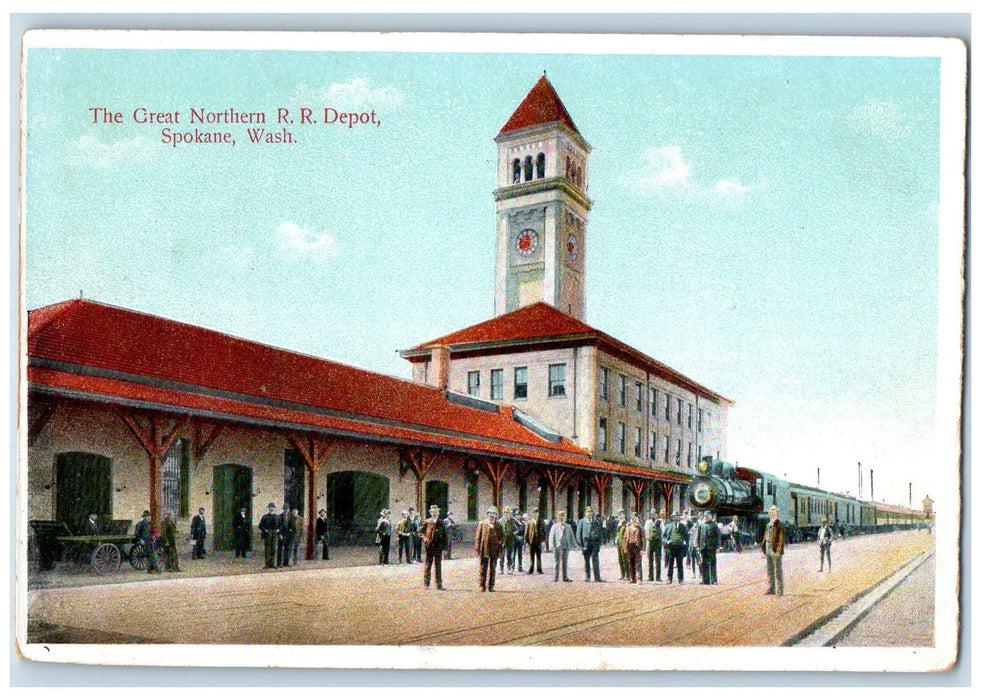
x,y
534,535
560,540
488,545
589,536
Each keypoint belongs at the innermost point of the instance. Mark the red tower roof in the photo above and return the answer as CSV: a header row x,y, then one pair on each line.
x,y
540,106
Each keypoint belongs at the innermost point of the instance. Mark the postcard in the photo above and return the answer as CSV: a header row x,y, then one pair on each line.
x,y
490,351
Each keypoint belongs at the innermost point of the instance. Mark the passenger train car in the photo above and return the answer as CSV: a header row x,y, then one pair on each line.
x,y
728,490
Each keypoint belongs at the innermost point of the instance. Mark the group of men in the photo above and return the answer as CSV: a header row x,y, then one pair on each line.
x,y
410,537
151,540
281,536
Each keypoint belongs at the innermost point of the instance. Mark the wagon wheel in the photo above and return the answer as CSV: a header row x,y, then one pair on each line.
x,y
138,555
106,558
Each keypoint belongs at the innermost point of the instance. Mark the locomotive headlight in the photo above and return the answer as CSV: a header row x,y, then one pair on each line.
x,y
703,467
702,494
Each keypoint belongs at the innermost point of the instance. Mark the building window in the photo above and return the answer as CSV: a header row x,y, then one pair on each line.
x,y
637,442
640,397
623,390
556,380
653,447
689,455
473,383
677,455
604,380
521,382
667,446
472,493
653,402
679,411
540,166
516,171
667,407
497,384
528,169
622,438
700,420
601,437
690,409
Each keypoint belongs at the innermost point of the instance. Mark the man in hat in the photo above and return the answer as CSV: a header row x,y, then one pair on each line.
x,y
653,529
322,533
534,536
402,536
434,539
269,527
383,536
92,525
675,545
589,536
633,545
772,547
414,553
242,532
561,539
825,535
450,531
285,540
708,546
296,525
143,537
199,532
168,537
507,524
487,545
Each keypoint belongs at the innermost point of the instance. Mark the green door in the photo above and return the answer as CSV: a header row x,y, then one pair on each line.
x,y
437,492
232,491
84,486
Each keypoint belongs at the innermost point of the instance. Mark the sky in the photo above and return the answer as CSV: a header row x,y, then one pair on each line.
x,y
766,225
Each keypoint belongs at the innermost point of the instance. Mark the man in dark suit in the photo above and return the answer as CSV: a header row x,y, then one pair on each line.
x,y
143,537
285,540
241,530
434,539
92,525
322,533
199,532
589,536
269,527
708,545
534,536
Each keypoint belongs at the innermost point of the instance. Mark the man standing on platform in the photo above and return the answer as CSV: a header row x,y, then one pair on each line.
x,y
402,537
322,533
589,535
199,532
825,535
450,531
534,536
240,530
285,540
708,545
773,549
383,536
143,536
561,539
652,533
675,544
487,545
168,536
269,528
434,540
296,524
633,544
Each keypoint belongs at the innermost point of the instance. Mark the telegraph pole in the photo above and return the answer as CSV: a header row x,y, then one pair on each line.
x,y
859,479
872,484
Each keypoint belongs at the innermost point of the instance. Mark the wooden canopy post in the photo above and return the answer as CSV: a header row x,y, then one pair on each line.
x,y
156,441
46,410
600,482
497,471
556,479
315,449
667,488
420,462
637,485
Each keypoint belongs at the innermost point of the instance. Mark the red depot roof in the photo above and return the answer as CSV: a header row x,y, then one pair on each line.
x,y
103,353
540,106
542,322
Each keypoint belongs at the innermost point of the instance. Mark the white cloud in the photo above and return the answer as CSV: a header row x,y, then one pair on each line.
x,y
877,119
294,239
664,167
356,93
730,187
89,152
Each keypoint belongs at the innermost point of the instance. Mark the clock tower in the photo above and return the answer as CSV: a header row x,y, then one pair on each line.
x,y
542,207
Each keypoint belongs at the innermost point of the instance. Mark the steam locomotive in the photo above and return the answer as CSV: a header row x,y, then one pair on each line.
x,y
727,490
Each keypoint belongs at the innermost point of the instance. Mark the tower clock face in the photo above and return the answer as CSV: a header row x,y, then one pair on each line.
x,y
572,246
527,241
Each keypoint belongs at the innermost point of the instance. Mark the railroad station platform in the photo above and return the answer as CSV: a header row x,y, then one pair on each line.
x,y
342,603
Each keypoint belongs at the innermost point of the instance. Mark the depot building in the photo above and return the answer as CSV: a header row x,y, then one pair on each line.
x,y
532,408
